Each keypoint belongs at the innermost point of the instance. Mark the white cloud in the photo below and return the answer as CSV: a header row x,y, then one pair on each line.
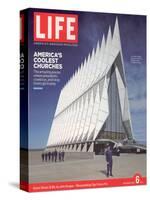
x,y
138,105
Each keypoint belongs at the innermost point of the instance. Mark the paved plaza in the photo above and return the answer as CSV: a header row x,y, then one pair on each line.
x,y
124,166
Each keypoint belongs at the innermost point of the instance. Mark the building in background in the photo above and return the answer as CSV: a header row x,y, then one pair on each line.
x,y
93,107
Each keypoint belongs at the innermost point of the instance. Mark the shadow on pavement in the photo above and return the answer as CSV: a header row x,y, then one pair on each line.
x,y
103,172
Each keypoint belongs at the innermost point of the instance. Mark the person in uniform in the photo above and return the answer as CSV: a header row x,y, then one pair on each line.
x,y
42,155
49,155
52,156
46,155
109,160
55,155
60,157
63,155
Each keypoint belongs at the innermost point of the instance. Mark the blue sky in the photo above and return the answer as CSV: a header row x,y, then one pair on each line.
x,y
136,84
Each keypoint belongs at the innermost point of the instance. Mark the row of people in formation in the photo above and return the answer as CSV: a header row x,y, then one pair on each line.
x,y
53,156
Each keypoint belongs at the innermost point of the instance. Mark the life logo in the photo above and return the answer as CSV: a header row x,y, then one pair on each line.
x,y
53,27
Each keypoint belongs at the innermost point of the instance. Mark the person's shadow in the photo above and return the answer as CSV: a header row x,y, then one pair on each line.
x,y
103,172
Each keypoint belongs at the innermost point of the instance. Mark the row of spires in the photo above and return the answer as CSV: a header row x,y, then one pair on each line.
x,y
94,67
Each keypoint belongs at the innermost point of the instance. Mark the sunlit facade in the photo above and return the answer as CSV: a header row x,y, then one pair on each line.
x,y
93,105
